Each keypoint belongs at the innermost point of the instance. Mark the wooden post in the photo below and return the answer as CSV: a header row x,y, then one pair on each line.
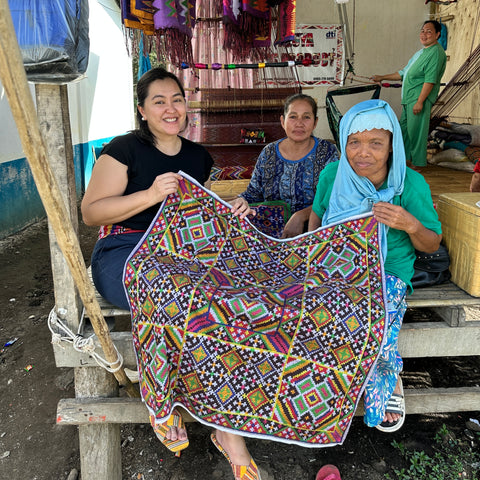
x,y
14,80
100,452
99,444
100,448
54,120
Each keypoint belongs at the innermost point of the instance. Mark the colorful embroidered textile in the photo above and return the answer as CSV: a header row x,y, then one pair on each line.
x,y
176,14
273,339
138,14
174,21
286,22
112,229
271,217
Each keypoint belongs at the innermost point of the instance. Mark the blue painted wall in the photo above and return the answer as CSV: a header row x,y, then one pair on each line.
x,y
21,205
19,198
100,107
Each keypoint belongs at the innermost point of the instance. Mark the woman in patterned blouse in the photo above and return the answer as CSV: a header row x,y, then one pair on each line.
x,y
288,169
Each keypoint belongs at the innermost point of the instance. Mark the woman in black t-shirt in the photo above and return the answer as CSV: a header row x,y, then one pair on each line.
x,y
132,177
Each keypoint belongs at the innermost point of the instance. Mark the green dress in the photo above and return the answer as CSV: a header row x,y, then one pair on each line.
x,y
426,66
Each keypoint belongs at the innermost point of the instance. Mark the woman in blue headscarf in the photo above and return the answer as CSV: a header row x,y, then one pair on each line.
x,y
371,176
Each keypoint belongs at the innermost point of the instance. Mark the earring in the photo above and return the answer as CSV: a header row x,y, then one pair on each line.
x,y
143,118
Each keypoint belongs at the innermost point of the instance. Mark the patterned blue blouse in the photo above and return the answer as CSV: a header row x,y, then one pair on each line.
x,y
293,181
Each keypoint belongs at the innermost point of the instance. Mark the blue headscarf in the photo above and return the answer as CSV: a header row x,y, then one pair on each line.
x,y
351,194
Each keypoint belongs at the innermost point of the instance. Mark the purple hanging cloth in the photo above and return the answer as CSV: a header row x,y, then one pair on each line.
x,y
174,21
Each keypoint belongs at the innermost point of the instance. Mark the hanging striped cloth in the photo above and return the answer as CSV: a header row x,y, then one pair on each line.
x,y
247,26
286,22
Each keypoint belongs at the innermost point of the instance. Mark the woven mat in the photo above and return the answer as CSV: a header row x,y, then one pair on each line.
x,y
273,339
233,163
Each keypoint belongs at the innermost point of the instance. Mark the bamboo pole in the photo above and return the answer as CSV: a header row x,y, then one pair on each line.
x,y
14,80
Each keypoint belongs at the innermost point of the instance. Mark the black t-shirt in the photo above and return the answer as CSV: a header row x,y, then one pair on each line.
x,y
145,162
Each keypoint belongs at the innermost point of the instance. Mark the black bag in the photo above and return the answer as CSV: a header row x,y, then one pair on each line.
x,y
431,268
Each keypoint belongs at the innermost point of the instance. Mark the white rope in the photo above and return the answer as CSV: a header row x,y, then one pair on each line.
x,y
79,342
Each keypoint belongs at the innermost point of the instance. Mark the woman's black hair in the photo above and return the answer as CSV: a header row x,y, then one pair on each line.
x,y
437,25
300,96
143,86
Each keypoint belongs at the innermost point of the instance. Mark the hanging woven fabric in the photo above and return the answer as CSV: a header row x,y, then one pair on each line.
x,y
247,27
174,21
286,22
136,14
144,64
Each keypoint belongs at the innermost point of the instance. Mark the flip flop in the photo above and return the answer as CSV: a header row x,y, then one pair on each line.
x,y
174,420
395,404
328,472
240,472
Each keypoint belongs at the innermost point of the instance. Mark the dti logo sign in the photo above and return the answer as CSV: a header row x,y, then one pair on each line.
x,y
331,34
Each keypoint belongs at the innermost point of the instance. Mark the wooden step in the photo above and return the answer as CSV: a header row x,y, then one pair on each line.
x,y
88,411
447,294
417,339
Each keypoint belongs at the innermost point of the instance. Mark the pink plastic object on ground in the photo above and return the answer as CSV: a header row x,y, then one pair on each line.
x,y
328,472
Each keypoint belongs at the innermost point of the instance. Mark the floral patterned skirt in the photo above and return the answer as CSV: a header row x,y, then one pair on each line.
x,y
383,379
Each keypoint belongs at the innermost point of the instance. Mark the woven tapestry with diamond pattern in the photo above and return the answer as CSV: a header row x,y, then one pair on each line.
x,y
270,338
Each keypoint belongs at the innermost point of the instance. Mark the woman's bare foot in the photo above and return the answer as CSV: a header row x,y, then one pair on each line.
x,y
235,446
175,433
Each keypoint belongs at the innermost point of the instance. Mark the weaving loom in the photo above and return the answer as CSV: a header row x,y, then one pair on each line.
x,y
462,83
223,103
333,113
222,113
273,339
233,162
218,119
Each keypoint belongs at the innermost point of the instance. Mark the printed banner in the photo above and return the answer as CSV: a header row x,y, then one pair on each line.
x,y
323,45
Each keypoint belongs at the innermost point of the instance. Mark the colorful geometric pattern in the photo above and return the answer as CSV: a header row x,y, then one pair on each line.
x,y
232,172
270,338
271,217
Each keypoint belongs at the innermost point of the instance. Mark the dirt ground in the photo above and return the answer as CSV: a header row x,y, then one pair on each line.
x,y
32,446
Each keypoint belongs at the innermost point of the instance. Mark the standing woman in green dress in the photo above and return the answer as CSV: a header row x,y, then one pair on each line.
x,y
421,83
